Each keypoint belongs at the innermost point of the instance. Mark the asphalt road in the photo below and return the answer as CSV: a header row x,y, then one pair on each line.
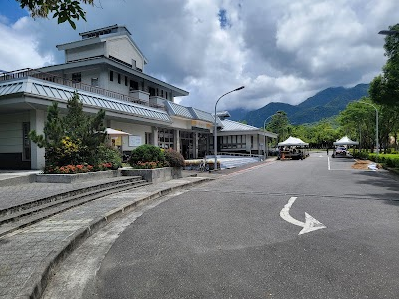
x,y
245,236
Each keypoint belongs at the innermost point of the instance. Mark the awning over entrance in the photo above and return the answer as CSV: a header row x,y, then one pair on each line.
x,y
113,132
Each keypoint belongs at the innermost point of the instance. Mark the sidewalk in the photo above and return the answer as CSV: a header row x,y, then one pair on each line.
x,y
27,256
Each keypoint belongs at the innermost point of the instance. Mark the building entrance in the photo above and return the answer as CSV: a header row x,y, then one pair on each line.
x,y
187,144
203,144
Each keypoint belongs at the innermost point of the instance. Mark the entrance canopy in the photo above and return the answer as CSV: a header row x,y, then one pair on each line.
x,y
293,141
345,141
113,132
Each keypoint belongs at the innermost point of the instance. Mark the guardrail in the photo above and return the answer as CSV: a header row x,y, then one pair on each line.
x,y
24,73
226,154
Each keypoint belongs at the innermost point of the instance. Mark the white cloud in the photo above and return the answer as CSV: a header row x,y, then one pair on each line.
x,y
19,47
281,50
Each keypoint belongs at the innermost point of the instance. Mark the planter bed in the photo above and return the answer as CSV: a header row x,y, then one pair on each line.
x,y
72,178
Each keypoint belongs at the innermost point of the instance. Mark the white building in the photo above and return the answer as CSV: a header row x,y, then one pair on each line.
x,y
106,68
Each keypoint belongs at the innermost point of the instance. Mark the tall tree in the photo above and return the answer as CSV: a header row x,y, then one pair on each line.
x,y
72,139
63,10
384,88
279,124
358,122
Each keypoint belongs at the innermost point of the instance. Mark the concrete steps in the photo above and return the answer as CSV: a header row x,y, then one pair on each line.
x,y
23,215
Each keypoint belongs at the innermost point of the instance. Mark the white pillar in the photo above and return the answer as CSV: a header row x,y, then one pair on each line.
x,y
177,140
37,118
155,136
195,144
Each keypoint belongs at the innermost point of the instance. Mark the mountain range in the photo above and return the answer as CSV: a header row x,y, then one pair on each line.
x,y
326,103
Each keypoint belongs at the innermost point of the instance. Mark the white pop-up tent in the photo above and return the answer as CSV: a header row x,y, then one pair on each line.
x,y
345,141
293,141
293,148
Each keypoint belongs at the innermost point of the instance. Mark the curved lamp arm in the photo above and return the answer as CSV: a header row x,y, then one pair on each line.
x,y
215,124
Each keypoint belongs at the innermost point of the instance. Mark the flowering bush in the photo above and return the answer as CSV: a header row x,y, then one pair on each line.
x,y
147,157
80,168
148,165
106,155
104,166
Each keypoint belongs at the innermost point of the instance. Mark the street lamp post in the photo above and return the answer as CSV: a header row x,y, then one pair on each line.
x,y
215,126
264,129
376,124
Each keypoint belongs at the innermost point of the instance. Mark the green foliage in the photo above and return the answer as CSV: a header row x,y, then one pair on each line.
x,y
106,154
63,10
361,155
73,139
279,124
358,121
389,160
384,88
174,158
147,153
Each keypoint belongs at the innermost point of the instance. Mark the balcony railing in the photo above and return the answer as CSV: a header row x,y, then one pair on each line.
x,y
23,73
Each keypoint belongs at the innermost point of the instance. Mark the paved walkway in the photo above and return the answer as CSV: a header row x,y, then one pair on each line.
x,y
27,256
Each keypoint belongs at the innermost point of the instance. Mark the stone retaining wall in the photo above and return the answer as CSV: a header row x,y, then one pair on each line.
x,y
156,175
71,178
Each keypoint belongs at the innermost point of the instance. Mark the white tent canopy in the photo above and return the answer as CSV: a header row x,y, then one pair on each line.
x,y
114,132
345,141
293,141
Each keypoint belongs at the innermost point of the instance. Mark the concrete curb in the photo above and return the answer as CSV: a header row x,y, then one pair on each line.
x,y
36,284
18,180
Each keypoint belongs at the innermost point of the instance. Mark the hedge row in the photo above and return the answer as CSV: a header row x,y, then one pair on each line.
x,y
390,160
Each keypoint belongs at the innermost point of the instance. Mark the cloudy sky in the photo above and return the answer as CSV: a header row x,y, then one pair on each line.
x,y
281,50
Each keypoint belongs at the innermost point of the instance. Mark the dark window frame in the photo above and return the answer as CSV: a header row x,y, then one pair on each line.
x,y
26,143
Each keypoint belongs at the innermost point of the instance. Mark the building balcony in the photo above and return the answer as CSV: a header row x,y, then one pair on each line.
x,y
141,95
135,96
157,102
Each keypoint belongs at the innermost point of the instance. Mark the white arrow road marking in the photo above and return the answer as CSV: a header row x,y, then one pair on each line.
x,y
310,224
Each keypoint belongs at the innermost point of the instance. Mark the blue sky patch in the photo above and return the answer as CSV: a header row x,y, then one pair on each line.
x,y
223,20
11,10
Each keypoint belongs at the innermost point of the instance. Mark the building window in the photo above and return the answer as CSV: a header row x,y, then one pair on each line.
x,y
125,80
134,85
233,142
148,138
111,76
151,91
76,77
26,154
94,82
166,95
119,78
165,138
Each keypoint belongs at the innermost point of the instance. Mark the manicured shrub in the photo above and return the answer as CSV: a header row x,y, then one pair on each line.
x,y
147,153
106,154
361,155
174,158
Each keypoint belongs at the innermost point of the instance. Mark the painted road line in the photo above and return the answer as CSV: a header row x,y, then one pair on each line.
x,y
329,165
310,224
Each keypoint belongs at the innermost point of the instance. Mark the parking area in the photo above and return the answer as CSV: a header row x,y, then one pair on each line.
x,y
341,163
